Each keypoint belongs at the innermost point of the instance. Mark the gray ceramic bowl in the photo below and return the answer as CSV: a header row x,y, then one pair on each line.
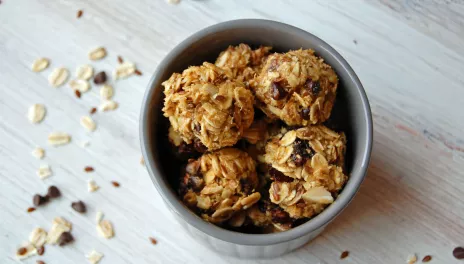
x,y
351,114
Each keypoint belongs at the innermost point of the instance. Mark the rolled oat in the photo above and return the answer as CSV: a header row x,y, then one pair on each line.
x,y
38,153
88,123
36,113
124,70
105,229
58,138
38,237
94,257
58,77
108,106
44,172
106,92
40,64
84,72
79,85
97,54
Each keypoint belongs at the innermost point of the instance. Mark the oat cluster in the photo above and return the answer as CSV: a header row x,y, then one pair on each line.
x,y
270,171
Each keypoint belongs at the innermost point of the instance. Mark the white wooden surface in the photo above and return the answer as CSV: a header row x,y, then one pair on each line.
x,y
408,54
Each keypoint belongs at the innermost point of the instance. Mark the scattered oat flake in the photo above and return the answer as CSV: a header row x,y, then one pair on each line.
x,y
97,54
142,161
40,262
38,153
108,106
106,92
105,229
124,70
84,72
40,64
120,60
92,186
115,184
94,257
36,113
59,226
412,259
88,123
427,258
88,169
174,2
79,85
79,13
58,138
58,77
138,72
99,217
38,237
93,110
44,172
344,254
30,209
153,241
25,251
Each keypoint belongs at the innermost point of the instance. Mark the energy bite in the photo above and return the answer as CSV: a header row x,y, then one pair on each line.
x,y
306,169
296,87
220,184
242,62
204,106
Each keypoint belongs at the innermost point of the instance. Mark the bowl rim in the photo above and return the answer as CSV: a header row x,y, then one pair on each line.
x,y
184,213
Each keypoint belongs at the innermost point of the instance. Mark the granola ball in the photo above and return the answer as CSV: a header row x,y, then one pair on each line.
x,y
220,184
306,169
206,108
296,87
242,62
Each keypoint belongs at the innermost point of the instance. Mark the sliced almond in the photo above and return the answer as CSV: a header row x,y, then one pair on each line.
x,y
124,70
108,106
38,237
223,214
25,251
106,92
289,138
412,259
58,77
79,85
251,199
84,72
59,226
318,195
44,172
36,113
105,229
318,161
92,186
40,64
94,257
99,217
88,123
58,138
97,54
237,220
38,153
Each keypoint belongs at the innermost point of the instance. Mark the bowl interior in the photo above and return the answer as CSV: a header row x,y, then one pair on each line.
x,y
351,113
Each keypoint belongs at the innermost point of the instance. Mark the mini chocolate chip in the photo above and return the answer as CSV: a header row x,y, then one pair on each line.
x,y
138,72
77,93
344,254
279,176
115,184
120,60
79,13
30,209
153,241
40,262
198,145
93,110
53,192
22,251
313,87
305,113
79,206
40,250
65,238
88,169
427,258
278,92
39,200
458,253
100,78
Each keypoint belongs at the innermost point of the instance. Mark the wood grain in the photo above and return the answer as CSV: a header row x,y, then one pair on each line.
x,y
408,54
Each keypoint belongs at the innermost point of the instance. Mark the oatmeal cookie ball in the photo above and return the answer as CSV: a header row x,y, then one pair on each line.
x,y
306,169
296,87
220,184
206,108
242,62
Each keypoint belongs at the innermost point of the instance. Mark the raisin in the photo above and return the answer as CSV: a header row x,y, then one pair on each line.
x,y
303,149
298,159
198,145
278,92
196,183
313,87
279,176
305,113
100,78
280,216
246,186
186,148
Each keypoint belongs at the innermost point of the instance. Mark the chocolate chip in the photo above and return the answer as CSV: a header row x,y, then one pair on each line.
x,y
280,216
40,262
246,187
115,184
196,183
65,238
100,78
197,127
40,250
279,176
305,113
458,253
198,145
120,60
301,148
427,258
39,200
22,251
88,169
93,110
278,92
53,192
30,209
153,241
344,254
79,206
79,13
313,87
